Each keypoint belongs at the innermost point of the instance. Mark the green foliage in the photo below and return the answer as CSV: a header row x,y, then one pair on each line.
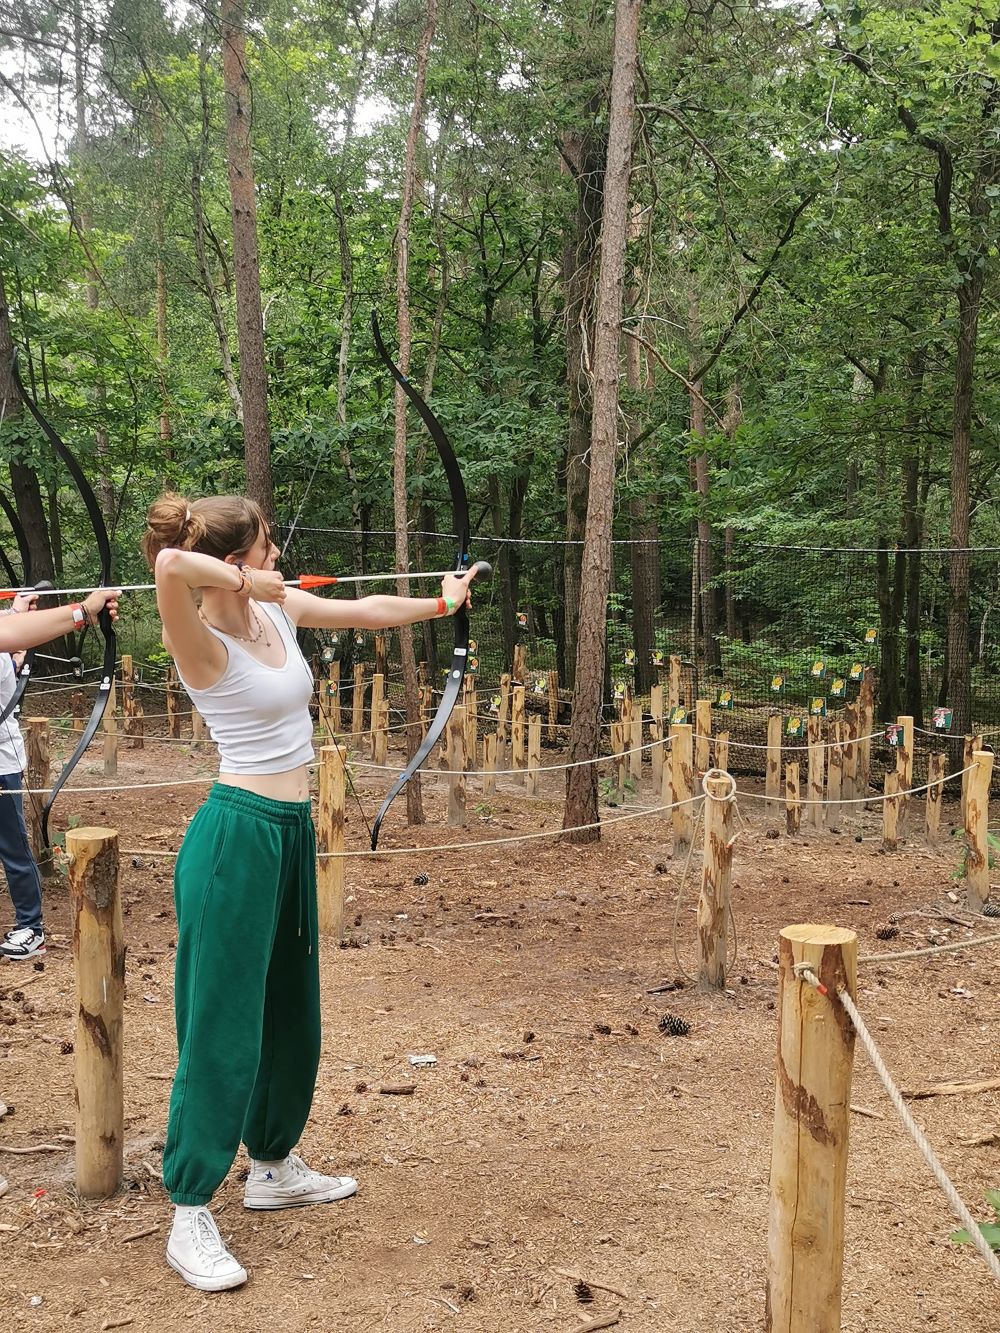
x,y
991,1230
613,795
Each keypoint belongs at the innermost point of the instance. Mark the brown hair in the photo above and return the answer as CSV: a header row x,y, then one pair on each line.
x,y
219,525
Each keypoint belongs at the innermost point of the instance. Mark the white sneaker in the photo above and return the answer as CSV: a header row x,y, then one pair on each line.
x,y
22,942
291,1184
195,1250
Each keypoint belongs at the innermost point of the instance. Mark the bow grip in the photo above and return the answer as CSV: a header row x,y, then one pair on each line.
x,y
482,569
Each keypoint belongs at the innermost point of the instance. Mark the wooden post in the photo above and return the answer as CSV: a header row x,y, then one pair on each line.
x,y
835,771
517,732
969,747
471,719
634,743
904,765
850,779
76,704
703,742
656,736
333,700
793,806
197,729
519,667
358,704
937,764
812,1111
375,711
618,750
682,786
977,859
722,751
866,723
173,711
330,839
380,654
534,751
890,813
553,702
128,694
816,811
772,773
99,958
716,875
503,714
109,724
36,744
489,764
426,707
673,682
456,766
380,734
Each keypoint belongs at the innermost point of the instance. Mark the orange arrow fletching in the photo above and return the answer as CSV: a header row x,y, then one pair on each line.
x,y
316,580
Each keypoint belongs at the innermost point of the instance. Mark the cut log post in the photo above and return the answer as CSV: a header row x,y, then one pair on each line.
x,y
380,734
969,747
426,708
519,666
128,694
835,772
77,706
793,804
850,780
99,958
656,737
553,705
380,654
333,701
904,765
534,752
937,766
722,751
358,704
517,732
198,734
673,682
375,710
682,786
37,773
635,743
890,813
977,860
703,739
489,764
866,723
456,732
173,705
816,810
618,750
503,724
811,1125
109,725
330,841
471,719
772,773
716,877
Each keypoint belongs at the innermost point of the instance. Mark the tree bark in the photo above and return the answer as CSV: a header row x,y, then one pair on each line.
x,y
585,733
246,264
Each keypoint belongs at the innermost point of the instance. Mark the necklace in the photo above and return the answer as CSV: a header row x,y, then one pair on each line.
x,y
242,638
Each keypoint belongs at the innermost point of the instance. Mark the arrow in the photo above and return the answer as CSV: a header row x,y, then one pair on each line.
x,y
305,581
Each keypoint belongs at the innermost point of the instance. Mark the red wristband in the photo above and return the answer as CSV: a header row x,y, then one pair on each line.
x,y
79,615
442,607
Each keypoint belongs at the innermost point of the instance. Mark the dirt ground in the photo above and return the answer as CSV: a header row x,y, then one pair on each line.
x,y
561,1132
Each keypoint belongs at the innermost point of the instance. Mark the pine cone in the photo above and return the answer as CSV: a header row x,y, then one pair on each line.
x,y
887,932
991,907
583,1293
673,1026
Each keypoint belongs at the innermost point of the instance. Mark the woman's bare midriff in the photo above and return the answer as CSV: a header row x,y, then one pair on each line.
x,y
292,785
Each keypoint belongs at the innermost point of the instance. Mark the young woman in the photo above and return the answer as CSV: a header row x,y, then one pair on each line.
x,y
247,975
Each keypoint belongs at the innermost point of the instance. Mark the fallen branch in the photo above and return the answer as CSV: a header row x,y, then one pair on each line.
x,y
951,1089
990,1140
138,1235
602,1321
35,1147
591,1282
866,1110
398,1090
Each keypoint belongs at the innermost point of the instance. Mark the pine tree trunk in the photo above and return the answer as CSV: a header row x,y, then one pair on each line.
x,y
585,733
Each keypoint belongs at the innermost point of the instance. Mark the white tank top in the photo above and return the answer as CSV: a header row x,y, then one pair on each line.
x,y
258,715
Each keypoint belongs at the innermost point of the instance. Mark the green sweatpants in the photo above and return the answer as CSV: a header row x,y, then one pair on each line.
x,y
246,989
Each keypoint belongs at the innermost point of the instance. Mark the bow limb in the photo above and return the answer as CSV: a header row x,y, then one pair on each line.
x,y
21,537
104,619
460,519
